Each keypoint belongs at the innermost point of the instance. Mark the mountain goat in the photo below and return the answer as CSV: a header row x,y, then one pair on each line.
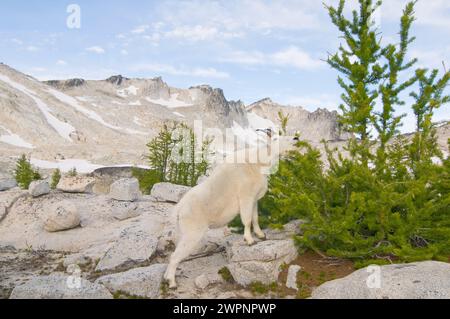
x,y
232,188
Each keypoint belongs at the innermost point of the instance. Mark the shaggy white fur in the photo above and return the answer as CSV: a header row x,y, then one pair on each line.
x,y
234,186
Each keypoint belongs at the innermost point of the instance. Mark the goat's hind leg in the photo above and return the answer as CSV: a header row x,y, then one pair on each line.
x,y
189,240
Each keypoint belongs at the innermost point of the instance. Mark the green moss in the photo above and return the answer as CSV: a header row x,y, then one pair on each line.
x,y
226,275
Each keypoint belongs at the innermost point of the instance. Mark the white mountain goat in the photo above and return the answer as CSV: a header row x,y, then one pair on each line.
x,y
232,188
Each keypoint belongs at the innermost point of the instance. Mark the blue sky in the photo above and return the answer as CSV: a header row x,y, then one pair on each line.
x,y
250,48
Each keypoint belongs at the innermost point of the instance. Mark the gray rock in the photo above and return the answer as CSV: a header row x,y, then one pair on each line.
x,y
291,281
205,280
263,251
7,184
39,188
291,229
124,210
76,184
261,262
171,193
133,246
422,280
141,282
76,259
126,189
62,216
2,211
59,286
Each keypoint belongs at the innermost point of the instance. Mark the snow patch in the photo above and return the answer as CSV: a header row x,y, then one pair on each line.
x,y
14,139
178,114
137,103
82,166
257,122
131,90
62,128
171,103
91,114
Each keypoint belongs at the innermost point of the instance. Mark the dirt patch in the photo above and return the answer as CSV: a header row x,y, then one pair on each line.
x,y
19,266
315,271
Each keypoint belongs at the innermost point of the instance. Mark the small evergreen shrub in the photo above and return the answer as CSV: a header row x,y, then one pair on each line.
x,y
146,178
73,172
24,173
176,156
56,177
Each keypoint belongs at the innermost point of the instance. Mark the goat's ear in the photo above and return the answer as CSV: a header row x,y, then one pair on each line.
x,y
269,132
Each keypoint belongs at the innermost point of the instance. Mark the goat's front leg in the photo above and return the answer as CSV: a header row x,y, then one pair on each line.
x,y
246,207
255,221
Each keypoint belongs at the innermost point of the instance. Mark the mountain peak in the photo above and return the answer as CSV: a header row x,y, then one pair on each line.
x,y
66,83
116,79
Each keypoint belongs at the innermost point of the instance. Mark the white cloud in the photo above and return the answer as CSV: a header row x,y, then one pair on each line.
x,y
181,71
124,52
61,62
238,15
199,33
290,57
32,48
432,58
140,29
38,69
96,49
433,13
17,41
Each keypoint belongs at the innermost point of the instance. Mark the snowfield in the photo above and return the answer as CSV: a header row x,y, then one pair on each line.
x,y
172,103
62,128
14,139
90,114
82,166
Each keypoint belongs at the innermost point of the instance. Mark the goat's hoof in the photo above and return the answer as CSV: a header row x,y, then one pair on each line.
x,y
251,242
261,236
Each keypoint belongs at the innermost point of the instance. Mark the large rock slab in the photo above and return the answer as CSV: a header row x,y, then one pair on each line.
x,y
76,184
39,188
167,192
7,184
61,216
140,282
260,262
421,280
126,189
134,246
60,286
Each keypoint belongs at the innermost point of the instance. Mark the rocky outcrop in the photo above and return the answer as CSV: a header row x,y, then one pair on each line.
x,y
260,262
126,189
312,126
76,184
62,216
66,84
139,282
205,280
6,184
116,80
60,286
134,246
39,188
422,280
166,192
124,210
